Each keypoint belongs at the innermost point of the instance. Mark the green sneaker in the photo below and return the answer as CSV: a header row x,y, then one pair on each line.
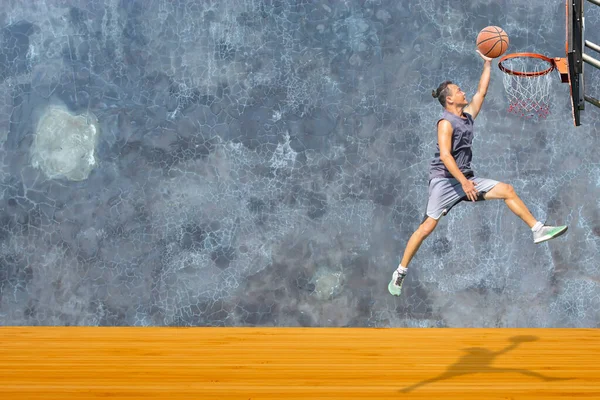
x,y
395,285
548,232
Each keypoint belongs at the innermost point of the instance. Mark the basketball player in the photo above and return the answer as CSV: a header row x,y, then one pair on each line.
x,y
451,178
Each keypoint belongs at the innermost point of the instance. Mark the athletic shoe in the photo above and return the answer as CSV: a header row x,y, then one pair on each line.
x,y
395,285
548,232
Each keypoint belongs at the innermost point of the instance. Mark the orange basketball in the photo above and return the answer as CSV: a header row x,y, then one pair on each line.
x,y
492,41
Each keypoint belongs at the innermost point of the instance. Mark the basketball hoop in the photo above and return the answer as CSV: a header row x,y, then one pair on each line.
x,y
527,83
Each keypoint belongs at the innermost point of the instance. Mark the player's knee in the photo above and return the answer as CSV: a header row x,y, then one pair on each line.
x,y
427,228
510,191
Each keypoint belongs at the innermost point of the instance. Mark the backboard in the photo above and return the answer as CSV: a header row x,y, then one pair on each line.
x,y
574,48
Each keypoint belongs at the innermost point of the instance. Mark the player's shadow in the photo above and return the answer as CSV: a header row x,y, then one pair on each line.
x,y
479,360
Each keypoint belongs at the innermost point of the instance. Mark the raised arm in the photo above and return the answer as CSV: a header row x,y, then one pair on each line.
x,y
475,105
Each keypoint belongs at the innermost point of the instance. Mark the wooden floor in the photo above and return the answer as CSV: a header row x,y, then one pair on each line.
x,y
291,363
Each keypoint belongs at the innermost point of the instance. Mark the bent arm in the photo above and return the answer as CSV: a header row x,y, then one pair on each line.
x,y
445,143
475,105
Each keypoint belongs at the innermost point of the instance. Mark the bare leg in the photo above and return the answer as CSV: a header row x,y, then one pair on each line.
x,y
507,193
416,239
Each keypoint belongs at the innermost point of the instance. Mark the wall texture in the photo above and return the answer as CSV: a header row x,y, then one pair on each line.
x,y
264,162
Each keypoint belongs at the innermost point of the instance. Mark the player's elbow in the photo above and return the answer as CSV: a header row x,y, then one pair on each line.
x,y
445,155
446,160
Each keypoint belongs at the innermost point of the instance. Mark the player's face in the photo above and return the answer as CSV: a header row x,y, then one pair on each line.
x,y
458,96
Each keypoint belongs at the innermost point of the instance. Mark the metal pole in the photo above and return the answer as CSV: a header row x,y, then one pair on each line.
x,y
592,46
596,2
592,100
590,60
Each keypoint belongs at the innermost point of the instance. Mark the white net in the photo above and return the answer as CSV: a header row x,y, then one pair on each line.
x,y
528,96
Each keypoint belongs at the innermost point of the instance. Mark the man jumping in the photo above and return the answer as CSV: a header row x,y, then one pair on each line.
x,y
451,178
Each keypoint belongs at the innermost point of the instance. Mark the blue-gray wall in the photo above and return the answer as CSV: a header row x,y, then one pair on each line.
x,y
265,162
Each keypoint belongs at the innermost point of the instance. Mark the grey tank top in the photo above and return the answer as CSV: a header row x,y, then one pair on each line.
x,y
462,140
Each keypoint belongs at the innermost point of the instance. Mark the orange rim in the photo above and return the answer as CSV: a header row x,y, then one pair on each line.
x,y
524,55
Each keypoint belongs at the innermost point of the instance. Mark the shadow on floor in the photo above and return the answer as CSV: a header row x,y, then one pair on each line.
x,y
479,360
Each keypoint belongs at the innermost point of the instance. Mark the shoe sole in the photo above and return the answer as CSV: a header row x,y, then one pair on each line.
x,y
548,237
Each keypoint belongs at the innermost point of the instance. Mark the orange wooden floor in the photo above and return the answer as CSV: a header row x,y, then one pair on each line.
x,y
292,363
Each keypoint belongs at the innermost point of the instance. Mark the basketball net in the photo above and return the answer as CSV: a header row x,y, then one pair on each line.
x,y
527,83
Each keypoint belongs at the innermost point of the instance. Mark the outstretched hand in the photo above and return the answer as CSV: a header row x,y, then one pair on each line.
x,y
484,57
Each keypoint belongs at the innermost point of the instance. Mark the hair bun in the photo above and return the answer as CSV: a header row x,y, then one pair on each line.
x,y
434,94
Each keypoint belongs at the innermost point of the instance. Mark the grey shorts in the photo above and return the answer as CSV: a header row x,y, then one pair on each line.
x,y
445,193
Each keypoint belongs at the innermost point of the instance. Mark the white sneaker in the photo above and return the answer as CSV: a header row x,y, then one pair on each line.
x,y
395,285
548,232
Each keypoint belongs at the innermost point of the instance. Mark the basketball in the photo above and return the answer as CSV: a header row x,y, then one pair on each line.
x,y
492,41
